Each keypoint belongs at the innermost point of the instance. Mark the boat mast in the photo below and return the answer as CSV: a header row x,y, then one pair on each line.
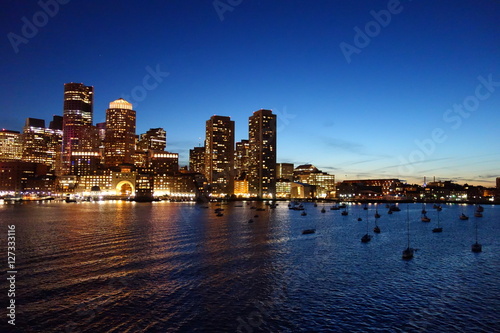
x,y
408,223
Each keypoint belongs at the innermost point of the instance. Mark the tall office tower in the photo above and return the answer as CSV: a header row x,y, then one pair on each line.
x,y
41,144
101,135
11,147
119,144
78,132
56,128
56,123
219,155
197,160
262,164
241,159
284,171
154,139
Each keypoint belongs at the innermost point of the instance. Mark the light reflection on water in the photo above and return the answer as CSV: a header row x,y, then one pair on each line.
x,y
137,267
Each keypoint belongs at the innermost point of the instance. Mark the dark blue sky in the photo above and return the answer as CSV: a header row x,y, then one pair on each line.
x,y
390,105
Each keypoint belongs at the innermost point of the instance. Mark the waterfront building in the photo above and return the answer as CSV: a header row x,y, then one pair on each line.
x,y
219,155
283,188
262,154
163,162
15,174
302,190
367,188
324,183
241,188
178,186
119,143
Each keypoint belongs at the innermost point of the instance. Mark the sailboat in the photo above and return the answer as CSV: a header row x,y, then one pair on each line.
x,y
425,218
366,237
479,211
423,209
408,252
377,215
345,213
476,247
323,209
438,228
377,228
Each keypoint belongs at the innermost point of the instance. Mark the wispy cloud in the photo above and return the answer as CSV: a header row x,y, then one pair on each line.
x,y
344,145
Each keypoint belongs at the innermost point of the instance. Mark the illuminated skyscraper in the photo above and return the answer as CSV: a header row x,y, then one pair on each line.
x,y
219,155
241,159
78,133
154,139
197,160
42,144
119,144
262,155
11,148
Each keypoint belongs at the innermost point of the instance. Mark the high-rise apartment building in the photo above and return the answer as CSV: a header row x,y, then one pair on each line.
x,y
154,139
79,136
241,159
11,147
262,157
119,144
197,160
219,155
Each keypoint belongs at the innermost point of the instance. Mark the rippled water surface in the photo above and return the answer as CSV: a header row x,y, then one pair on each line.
x,y
167,267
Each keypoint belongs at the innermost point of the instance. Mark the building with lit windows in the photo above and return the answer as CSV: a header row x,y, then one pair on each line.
x,y
11,148
219,155
241,159
42,144
283,188
163,162
154,139
119,144
241,188
324,183
388,187
79,135
14,175
284,171
197,160
262,155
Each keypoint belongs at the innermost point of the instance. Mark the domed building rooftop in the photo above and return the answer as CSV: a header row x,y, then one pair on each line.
x,y
120,103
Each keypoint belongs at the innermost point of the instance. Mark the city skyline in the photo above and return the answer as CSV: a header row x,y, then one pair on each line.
x,y
424,87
